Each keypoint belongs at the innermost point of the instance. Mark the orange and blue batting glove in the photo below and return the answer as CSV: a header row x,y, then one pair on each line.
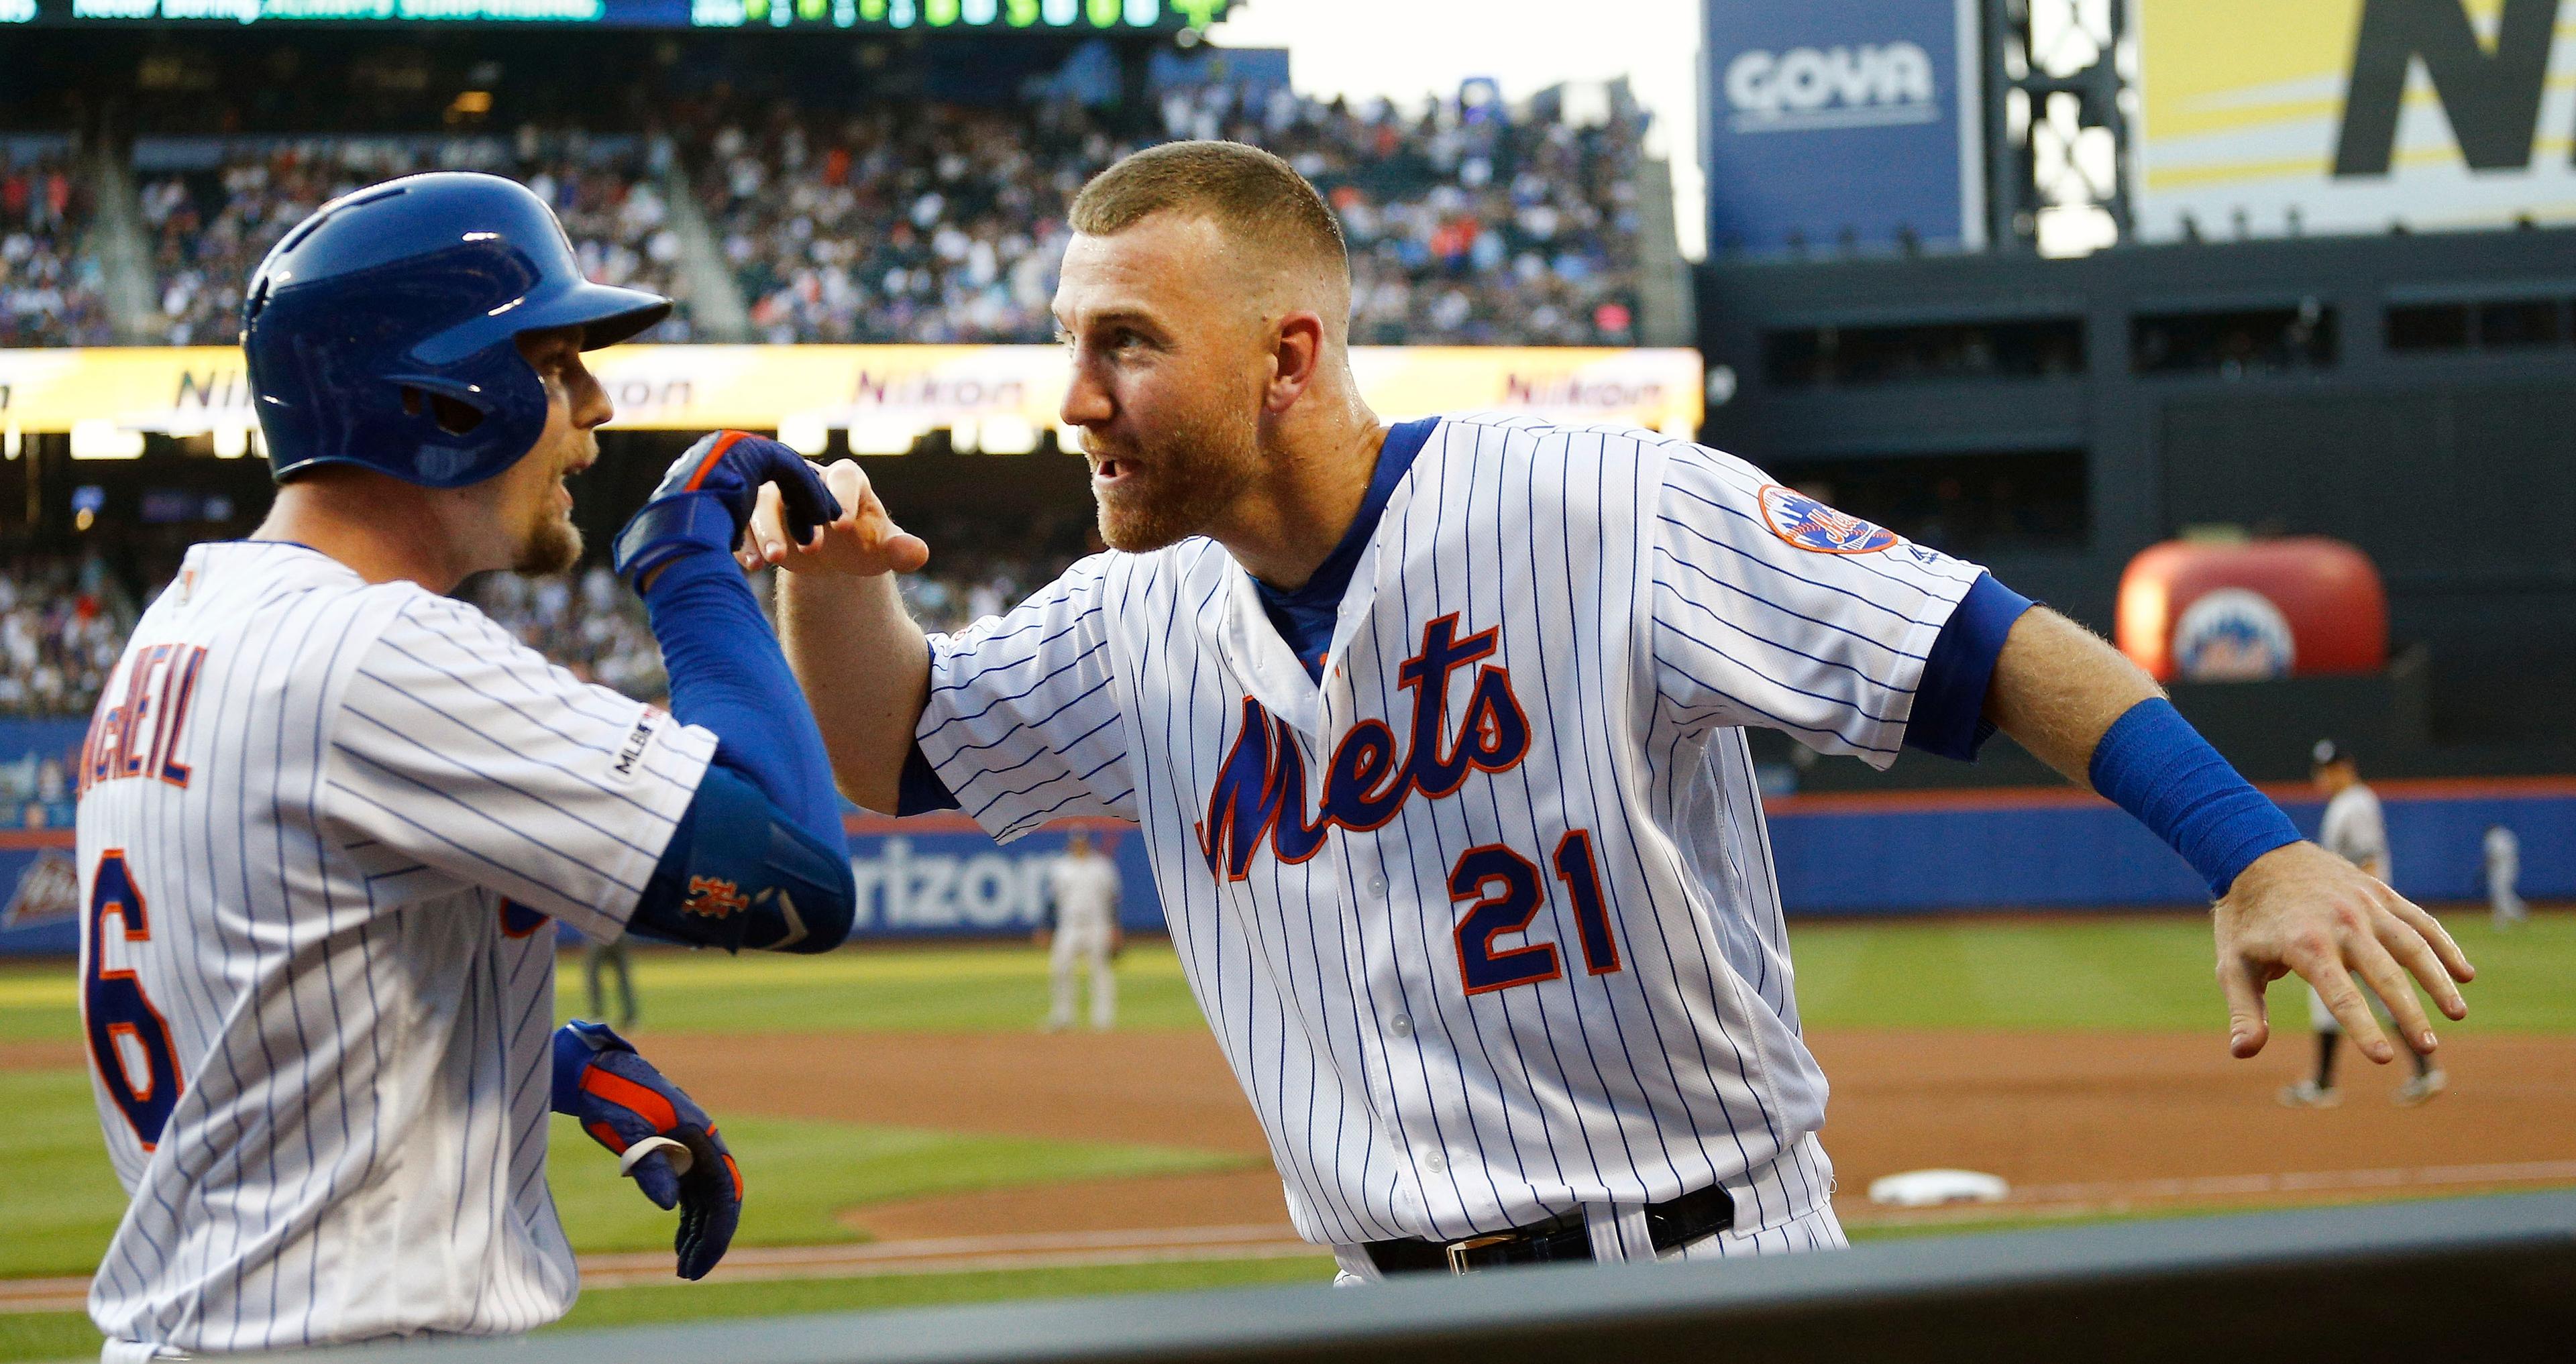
x,y
707,497
660,1135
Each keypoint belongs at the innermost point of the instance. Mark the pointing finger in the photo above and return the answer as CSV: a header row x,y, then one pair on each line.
x,y
2389,981
2408,944
2344,999
2247,1025
2455,961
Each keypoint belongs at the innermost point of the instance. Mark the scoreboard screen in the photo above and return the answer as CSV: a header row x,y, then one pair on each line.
x,y
810,15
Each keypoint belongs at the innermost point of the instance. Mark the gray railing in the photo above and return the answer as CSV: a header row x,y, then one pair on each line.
x,y
2472,1278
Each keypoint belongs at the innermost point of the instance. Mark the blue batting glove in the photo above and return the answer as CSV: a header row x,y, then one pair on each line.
x,y
707,498
627,1106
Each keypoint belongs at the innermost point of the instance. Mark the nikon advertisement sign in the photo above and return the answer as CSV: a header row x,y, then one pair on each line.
x,y
2314,116
884,396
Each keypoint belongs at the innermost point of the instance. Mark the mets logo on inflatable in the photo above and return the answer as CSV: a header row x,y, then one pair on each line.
x,y
1811,525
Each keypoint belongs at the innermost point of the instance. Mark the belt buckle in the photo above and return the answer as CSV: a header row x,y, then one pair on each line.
x,y
1458,1250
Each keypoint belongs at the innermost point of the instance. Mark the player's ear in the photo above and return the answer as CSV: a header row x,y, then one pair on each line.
x,y
1297,356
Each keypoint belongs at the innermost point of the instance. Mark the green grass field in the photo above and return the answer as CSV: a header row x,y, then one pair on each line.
x,y
60,1202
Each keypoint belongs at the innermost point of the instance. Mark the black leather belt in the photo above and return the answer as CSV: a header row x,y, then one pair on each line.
x,y
1679,1222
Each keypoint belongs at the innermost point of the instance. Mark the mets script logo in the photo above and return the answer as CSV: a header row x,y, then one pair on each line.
x,y
1809,524
1260,793
714,897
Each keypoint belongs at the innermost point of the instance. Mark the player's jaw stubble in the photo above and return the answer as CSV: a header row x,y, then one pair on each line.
x,y
1176,482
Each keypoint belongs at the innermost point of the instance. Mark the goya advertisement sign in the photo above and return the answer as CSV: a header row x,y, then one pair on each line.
x,y
2294,117
1839,125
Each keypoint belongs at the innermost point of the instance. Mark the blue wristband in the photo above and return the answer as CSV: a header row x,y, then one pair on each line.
x,y
2154,765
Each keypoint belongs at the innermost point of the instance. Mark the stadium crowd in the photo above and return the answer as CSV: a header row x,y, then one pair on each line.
x,y
63,622
1470,221
213,221
48,292
1468,224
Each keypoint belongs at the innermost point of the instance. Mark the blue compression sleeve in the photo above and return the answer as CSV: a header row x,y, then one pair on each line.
x,y
1949,715
728,676
2154,765
737,873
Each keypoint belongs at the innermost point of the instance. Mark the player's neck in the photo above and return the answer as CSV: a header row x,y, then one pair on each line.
x,y
1315,476
386,532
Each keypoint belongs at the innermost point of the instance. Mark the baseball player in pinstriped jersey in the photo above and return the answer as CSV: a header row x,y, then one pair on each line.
x,y
1435,732
328,816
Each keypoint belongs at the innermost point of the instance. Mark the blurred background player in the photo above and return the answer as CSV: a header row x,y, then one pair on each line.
x,y
1082,909
2354,829
610,957
2504,867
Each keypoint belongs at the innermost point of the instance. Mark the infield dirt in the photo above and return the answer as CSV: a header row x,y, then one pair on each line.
x,y
2080,1123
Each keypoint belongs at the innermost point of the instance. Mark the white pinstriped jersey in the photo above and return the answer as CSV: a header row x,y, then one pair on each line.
x,y
1486,923
319,1032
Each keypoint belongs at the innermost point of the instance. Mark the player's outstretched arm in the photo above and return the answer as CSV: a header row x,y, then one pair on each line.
x,y
662,1139
857,653
2283,904
760,859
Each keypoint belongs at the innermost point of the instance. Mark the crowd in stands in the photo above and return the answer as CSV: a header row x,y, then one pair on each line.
x,y
213,221
1468,224
63,623
1470,221
48,292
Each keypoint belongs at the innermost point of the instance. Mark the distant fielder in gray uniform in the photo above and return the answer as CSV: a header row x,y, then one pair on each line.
x,y
2356,831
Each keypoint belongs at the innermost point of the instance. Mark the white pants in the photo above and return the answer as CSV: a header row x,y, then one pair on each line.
x,y
1784,1206
1081,939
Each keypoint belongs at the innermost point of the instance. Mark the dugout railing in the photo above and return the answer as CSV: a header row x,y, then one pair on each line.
x,y
2456,1279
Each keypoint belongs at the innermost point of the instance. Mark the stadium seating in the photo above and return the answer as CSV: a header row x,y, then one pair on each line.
x,y
215,206
930,224
48,296
63,623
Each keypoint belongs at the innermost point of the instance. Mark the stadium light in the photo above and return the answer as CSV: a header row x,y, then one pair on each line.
x,y
10,441
232,442
101,439
1008,436
882,436
807,436
966,435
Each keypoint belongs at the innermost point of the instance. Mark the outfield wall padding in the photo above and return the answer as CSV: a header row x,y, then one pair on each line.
x,y
1874,854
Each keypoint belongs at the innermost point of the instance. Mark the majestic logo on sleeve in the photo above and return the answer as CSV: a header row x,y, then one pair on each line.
x,y
1811,525
1260,792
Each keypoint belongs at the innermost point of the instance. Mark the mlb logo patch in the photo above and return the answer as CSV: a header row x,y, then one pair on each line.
x,y
1811,525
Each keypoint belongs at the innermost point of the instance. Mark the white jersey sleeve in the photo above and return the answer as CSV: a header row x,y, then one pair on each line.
x,y
468,753
1771,610
1023,723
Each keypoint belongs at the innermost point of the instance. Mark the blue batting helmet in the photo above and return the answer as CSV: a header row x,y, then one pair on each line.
x,y
383,330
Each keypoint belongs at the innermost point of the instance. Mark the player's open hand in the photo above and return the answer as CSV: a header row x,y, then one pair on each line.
x,y
862,540
2301,908
660,1135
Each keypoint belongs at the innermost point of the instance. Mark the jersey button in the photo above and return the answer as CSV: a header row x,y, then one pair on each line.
x,y
1433,1161
1401,1025
1377,885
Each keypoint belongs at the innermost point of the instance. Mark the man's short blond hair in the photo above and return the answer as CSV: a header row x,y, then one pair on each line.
x,y
1252,195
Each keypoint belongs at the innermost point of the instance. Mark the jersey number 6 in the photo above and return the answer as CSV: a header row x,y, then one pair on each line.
x,y
123,1027
1505,889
